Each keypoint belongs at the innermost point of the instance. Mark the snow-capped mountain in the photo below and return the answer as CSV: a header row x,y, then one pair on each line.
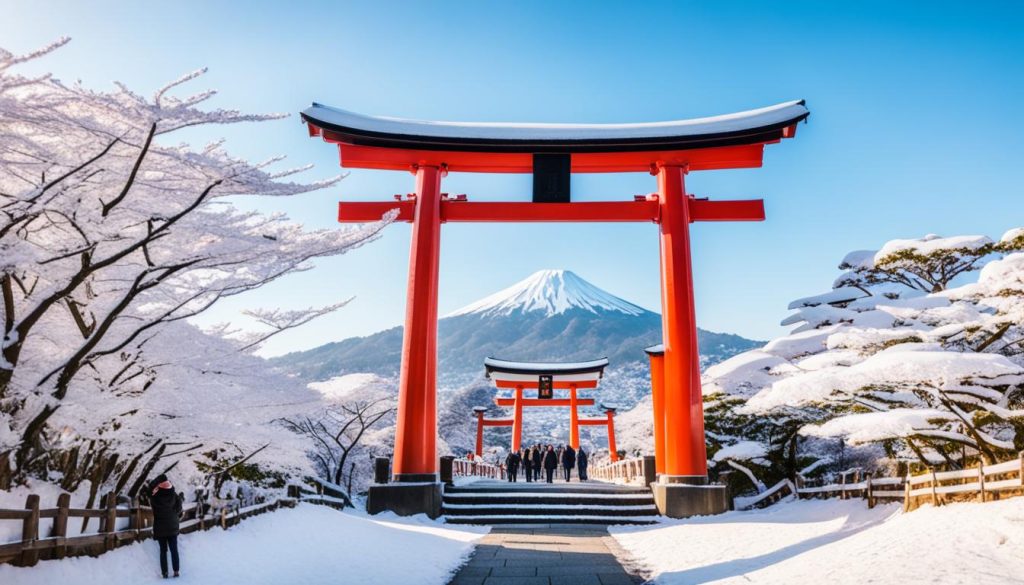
x,y
551,315
551,291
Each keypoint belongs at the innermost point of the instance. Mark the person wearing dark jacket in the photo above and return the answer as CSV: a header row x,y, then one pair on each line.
x,y
512,464
568,461
550,463
581,464
527,464
538,461
166,504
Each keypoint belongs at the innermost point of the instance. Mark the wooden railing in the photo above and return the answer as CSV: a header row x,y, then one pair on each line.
x,y
637,470
983,483
122,521
474,468
766,498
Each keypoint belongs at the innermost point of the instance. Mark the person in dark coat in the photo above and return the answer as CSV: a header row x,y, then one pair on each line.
x,y
568,461
581,464
166,504
512,464
550,463
527,464
538,460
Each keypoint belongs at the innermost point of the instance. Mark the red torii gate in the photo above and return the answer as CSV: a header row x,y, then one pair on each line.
x,y
521,376
668,150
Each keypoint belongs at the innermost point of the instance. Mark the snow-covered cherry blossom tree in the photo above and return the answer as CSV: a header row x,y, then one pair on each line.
x,y
109,231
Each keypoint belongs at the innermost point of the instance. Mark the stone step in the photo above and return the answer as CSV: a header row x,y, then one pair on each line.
x,y
550,519
542,488
530,500
504,509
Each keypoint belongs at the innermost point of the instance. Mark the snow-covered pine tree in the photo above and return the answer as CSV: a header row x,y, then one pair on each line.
x,y
933,376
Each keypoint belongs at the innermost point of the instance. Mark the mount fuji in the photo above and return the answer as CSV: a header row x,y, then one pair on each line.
x,y
552,315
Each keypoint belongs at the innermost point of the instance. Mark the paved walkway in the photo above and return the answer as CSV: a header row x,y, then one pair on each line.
x,y
546,554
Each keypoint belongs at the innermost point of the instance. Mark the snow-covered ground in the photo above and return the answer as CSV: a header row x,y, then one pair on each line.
x,y
309,544
837,542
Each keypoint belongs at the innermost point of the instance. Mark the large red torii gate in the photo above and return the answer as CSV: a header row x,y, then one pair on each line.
x,y
668,150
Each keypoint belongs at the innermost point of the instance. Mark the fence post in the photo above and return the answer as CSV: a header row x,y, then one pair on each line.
x,y
201,510
110,521
867,492
30,531
446,469
842,486
60,525
935,494
1020,468
381,470
650,472
224,518
981,480
906,492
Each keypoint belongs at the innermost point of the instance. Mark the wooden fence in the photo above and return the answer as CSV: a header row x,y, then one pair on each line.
x,y
122,521
474,468
636,470
981,483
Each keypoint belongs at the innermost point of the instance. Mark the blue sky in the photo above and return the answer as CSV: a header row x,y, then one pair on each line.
x,y
916,126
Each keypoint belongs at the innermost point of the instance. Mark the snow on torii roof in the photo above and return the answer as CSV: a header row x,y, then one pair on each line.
x,y
526,374
741,128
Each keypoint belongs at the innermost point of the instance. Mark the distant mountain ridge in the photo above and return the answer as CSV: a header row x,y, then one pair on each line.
x,y
552,315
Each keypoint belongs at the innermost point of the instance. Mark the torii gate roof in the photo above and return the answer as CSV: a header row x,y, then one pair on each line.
x,y
395,143
509,374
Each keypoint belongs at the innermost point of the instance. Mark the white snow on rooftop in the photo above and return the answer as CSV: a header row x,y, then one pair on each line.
x,y
738,121
550,291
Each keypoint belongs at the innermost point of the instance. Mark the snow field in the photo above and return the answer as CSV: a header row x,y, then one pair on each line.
x,y
309,544
837,542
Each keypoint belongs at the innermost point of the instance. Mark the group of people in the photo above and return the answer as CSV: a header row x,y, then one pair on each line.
x,y
532,459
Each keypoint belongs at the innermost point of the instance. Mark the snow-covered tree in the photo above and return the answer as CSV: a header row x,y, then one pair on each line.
x,y
894,355
109,233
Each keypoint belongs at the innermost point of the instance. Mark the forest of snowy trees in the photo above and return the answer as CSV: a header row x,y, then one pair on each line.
x,y
111,236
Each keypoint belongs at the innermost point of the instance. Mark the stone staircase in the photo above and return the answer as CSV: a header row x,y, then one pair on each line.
x,y
502,502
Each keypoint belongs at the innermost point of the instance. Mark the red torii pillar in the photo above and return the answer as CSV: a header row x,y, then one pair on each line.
x,y
416,426
574,418
482,422
609,423
683,402
657,359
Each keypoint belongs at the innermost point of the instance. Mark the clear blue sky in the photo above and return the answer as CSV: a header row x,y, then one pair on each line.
x,y
916,126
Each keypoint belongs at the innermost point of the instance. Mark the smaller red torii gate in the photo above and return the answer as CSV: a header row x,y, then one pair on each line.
x,y
544,378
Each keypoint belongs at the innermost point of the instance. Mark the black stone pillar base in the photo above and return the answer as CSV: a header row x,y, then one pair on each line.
x,y
405,499
685,496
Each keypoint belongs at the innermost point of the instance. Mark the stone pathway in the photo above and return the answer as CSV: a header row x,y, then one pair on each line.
x,y
546,554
